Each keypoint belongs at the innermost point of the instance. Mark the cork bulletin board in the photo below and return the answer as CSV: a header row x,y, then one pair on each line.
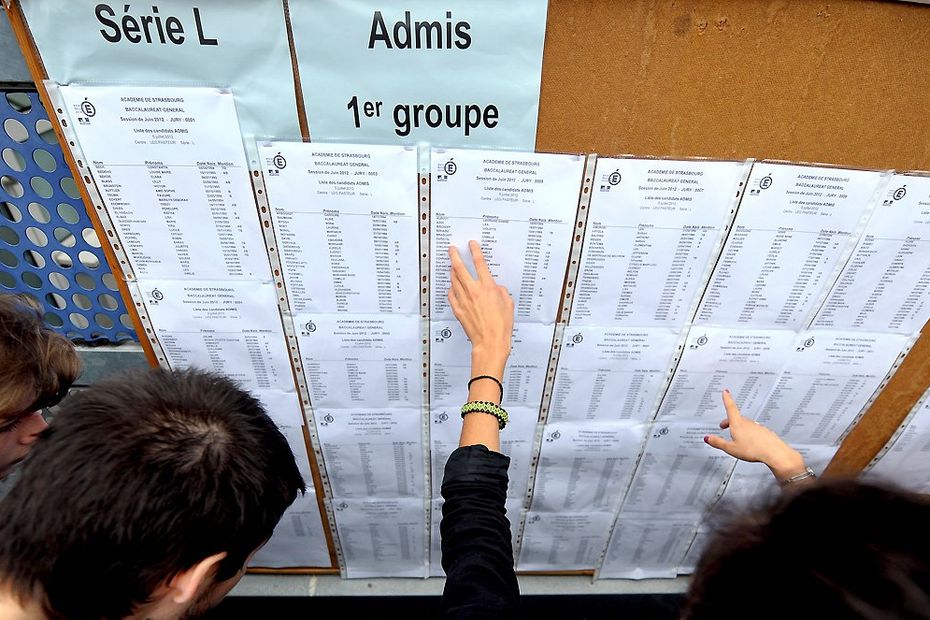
x,y
845,83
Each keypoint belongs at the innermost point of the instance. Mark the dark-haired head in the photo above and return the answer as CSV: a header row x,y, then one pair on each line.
x,y
836,549
37,366
137,481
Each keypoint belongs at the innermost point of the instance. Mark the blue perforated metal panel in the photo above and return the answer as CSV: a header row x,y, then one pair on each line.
x,y
48,246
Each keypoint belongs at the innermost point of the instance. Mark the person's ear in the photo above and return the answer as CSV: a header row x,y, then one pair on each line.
x,y
185,585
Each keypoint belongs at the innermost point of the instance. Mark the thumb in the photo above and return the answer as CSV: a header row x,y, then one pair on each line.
x,y
716,441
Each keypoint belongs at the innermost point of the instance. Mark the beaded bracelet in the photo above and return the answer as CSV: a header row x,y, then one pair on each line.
x,y
483,406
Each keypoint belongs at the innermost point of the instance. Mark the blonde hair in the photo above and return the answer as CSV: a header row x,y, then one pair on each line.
x,y
36,363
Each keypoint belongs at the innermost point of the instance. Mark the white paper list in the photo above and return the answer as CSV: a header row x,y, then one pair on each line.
x,y
563,541
885,285
678,473
752,485
372,452
189,305
298,539
585,467
435,538
353,360
702,538
256,359
283,407
171,169
345,219
653,228
382,537
230,327
524,377
298,444
748,362
906,462
521,208
516,443
793,227
647,548
611,373
829,378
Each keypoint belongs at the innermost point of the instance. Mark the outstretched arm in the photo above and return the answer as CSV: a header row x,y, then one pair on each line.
x,y
477,553
485,311
753,442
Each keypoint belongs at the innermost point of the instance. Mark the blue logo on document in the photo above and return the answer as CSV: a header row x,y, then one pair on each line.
x,y
156,296
327,420
444,334
442,417
309,327
576,339
553,436
662,432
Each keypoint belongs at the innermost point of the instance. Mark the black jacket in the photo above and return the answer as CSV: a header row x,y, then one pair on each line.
x,y
477,553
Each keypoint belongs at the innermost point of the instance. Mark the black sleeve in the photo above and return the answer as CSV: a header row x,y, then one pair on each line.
x,y
477,553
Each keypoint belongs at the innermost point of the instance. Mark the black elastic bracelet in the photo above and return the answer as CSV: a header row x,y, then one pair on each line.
x,y
494,379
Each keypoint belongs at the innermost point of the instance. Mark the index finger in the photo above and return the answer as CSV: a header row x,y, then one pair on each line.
x,y
733,413
459,270
481,267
